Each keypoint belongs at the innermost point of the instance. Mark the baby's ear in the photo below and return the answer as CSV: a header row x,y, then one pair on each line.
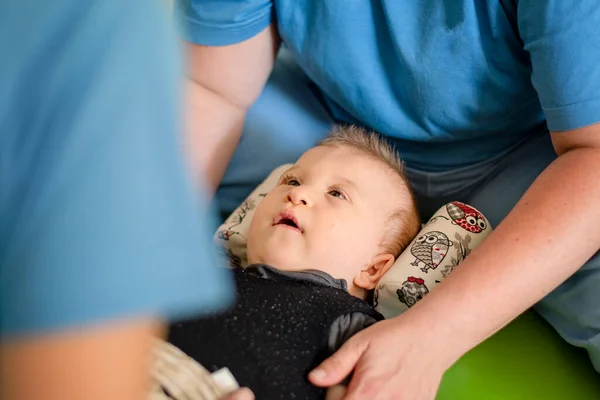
x,y
368,277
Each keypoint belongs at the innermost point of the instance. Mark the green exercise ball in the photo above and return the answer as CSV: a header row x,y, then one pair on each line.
x,y
527,360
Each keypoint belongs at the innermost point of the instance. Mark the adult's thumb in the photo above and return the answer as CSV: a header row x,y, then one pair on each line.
x,y
337,367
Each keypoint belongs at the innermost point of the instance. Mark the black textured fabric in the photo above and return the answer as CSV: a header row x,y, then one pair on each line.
x,y
276,333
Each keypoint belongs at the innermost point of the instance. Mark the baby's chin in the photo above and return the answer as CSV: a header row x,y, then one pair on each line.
x,y
277,262
278,259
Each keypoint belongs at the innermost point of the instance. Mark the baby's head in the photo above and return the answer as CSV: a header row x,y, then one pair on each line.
x,y
344,208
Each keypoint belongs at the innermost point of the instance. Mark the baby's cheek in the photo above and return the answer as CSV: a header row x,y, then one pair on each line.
x,y
351,243
264,213
372,231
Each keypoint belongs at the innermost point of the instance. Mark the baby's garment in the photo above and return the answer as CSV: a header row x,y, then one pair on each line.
x,y
282,326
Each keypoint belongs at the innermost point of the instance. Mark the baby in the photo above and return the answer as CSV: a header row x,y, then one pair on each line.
x,y
318,244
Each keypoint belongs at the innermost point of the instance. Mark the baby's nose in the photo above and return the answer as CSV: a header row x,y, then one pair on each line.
x,y
298,196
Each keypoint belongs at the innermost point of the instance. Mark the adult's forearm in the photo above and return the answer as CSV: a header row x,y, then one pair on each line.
x,y
213,129
552,231
94,363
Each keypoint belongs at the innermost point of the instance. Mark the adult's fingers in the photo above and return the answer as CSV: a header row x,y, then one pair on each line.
x,y
241,394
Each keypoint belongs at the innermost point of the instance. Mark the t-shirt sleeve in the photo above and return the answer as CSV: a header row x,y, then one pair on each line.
x,y
99,219
220,23
563,40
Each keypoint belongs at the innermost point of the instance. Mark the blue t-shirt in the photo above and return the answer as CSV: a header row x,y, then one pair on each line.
x,y
98,218
453,82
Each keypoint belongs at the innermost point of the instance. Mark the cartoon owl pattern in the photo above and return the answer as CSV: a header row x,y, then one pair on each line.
x,y
466,217
412,290
430,249
230,230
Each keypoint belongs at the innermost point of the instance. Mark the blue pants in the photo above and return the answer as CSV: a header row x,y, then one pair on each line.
x,y
288,119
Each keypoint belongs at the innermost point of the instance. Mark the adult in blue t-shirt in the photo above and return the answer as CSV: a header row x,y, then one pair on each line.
x,y
101,233
495,103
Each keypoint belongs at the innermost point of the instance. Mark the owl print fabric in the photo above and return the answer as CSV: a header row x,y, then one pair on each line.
x,y
430,248
447,238
466,217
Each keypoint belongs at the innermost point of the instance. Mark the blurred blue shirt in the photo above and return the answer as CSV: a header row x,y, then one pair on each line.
x,y
98,218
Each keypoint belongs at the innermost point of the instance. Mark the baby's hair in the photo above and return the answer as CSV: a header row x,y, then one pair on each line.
x,y
404,223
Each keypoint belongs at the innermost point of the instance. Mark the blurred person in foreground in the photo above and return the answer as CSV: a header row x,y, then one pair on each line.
x,y
101,233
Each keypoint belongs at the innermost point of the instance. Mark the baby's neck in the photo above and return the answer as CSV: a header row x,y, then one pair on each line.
x,y
359,292
352,289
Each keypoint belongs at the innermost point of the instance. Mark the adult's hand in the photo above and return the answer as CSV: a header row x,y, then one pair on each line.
x,y
241,394
391,360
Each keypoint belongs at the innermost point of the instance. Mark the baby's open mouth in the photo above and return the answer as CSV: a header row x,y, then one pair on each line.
x,y
287,218
288,222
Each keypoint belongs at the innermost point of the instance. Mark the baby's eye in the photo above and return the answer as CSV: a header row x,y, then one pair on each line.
x,y
289,180
337,193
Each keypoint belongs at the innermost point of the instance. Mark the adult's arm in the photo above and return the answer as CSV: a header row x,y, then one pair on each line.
x,y
97,363
231,52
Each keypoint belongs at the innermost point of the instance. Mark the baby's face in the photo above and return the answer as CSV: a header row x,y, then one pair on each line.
x,y
328,212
